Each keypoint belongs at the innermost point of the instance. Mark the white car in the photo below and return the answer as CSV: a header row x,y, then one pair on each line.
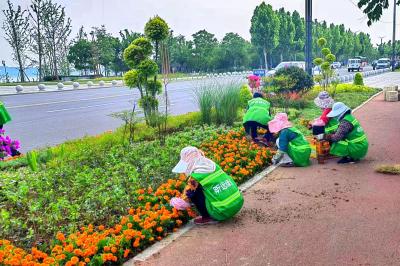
x,y
300,64
383,63
336,65
354,64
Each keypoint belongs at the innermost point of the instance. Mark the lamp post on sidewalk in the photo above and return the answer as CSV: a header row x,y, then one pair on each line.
x,y
308,45
394,36
3,62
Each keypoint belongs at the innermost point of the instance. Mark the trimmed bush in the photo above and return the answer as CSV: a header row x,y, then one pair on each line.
x,y
245,96
301,80
358,80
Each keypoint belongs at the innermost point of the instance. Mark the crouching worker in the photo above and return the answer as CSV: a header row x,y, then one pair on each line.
x,y
4,115
349,141
213,192
293,148
257,116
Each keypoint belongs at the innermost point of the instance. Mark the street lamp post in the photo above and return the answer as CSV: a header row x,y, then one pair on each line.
x,y
394,37
3,62
308,45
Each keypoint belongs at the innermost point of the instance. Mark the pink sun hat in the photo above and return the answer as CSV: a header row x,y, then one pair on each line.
x,y
279,122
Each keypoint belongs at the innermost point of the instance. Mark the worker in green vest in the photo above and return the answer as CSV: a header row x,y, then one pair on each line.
x,y
325,102
349,140
257,116
4,115
215,194
293,148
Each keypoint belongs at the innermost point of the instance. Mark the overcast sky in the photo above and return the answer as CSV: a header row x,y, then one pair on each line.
x,y
187,17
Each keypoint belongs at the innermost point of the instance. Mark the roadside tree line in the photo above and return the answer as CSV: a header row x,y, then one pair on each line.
x,y
38,36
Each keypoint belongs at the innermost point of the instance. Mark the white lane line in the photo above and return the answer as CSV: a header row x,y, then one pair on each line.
x,y
78,108
90,106
70,101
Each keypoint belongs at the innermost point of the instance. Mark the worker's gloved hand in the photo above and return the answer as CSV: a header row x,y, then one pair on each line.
x,y
278,157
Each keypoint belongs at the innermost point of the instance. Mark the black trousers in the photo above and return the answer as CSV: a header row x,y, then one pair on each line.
x,y
199,200
251,129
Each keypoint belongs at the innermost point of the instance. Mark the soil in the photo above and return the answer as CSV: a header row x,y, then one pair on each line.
x,y
326,214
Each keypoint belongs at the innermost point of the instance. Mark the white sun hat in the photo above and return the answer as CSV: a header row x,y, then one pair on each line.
x,y
338,109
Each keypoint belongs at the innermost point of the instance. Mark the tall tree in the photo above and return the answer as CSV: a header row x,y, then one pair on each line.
x,y
37,13
286,34
56,32
16,28
300,33
204,45
80,54
264,29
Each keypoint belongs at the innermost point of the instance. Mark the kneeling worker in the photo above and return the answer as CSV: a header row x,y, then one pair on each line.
x,y
293,148
349,141
214,193
257,115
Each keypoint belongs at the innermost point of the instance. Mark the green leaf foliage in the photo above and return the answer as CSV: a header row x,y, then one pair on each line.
x,y
156,29
139,50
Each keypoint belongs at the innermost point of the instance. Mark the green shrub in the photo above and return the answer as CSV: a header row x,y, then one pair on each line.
x,y
245,95
300,79
358,80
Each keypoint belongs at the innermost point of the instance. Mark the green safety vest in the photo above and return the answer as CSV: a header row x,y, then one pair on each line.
x,y
4,115
299,149
355,145
332,126
223,198
258,111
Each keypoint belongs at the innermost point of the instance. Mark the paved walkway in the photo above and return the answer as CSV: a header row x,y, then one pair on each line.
x,y
320,215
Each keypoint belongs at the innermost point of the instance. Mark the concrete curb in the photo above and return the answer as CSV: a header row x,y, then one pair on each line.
x,y
157,247
63,90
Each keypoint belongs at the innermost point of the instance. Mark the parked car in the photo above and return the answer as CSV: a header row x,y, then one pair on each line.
x,y
354,64
336,65
383,63
300,64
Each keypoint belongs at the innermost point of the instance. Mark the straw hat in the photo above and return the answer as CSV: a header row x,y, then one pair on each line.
x,y
279,122
324,100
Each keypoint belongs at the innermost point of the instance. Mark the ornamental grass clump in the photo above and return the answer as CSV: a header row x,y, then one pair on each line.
x,y
227,103
205,101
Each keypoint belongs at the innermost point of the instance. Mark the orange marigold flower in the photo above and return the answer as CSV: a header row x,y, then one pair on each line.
x,y
87,260
159,229
60,236
126,253
74,260
101,227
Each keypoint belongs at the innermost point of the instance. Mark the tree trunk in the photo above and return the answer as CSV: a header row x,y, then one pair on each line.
x,y
40,48
265,58
17,51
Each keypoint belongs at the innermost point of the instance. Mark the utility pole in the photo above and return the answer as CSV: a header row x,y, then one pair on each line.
x,y
394,36
308,46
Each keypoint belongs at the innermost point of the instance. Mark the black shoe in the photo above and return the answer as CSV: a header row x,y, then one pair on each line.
x,y
346,160
287,165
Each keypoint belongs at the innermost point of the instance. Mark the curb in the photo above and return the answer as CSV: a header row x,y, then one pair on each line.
x,y
63,90
157,247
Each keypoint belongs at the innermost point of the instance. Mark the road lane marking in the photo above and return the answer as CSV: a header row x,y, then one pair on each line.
x,y
78,108
90,106
70,101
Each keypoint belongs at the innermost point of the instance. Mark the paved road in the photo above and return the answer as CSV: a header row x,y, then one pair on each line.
x,y
47,119
343,71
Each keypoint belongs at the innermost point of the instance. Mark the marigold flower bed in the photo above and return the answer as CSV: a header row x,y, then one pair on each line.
x,y
145,224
